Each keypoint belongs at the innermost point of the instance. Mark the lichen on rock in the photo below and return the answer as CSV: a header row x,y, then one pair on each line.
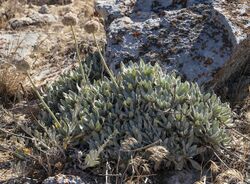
x,y
196,38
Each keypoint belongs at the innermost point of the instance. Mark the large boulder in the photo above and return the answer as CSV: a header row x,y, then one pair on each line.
x,y
197,38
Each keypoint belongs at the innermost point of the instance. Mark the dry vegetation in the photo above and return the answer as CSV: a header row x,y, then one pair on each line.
x,y
230,166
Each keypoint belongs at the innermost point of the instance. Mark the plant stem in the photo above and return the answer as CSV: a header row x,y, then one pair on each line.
x,y
43,102
104,62
78,53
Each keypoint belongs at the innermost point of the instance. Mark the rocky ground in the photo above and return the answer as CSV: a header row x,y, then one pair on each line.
x,y
204,41
33,31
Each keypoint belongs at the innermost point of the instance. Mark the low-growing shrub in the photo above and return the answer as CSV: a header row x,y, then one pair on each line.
x,y
147,108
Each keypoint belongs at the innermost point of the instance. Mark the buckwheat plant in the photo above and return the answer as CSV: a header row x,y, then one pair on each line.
x,y
92,27
71,20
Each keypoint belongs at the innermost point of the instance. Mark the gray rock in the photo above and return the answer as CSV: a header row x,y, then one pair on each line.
x,y
50,2
196,38
114,9
178,177
18,45
43,18
20,22
34,18
44,9
63,179
77,178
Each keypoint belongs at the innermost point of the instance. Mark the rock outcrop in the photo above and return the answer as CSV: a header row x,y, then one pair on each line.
x,y
198,39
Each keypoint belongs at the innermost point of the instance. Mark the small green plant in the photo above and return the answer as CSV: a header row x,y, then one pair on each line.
x,y
147,120
144,104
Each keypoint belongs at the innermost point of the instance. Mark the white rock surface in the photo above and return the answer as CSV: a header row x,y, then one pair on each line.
x,y
18,45
63,179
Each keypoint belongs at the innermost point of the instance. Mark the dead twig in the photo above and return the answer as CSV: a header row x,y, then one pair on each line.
x,y
220,158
